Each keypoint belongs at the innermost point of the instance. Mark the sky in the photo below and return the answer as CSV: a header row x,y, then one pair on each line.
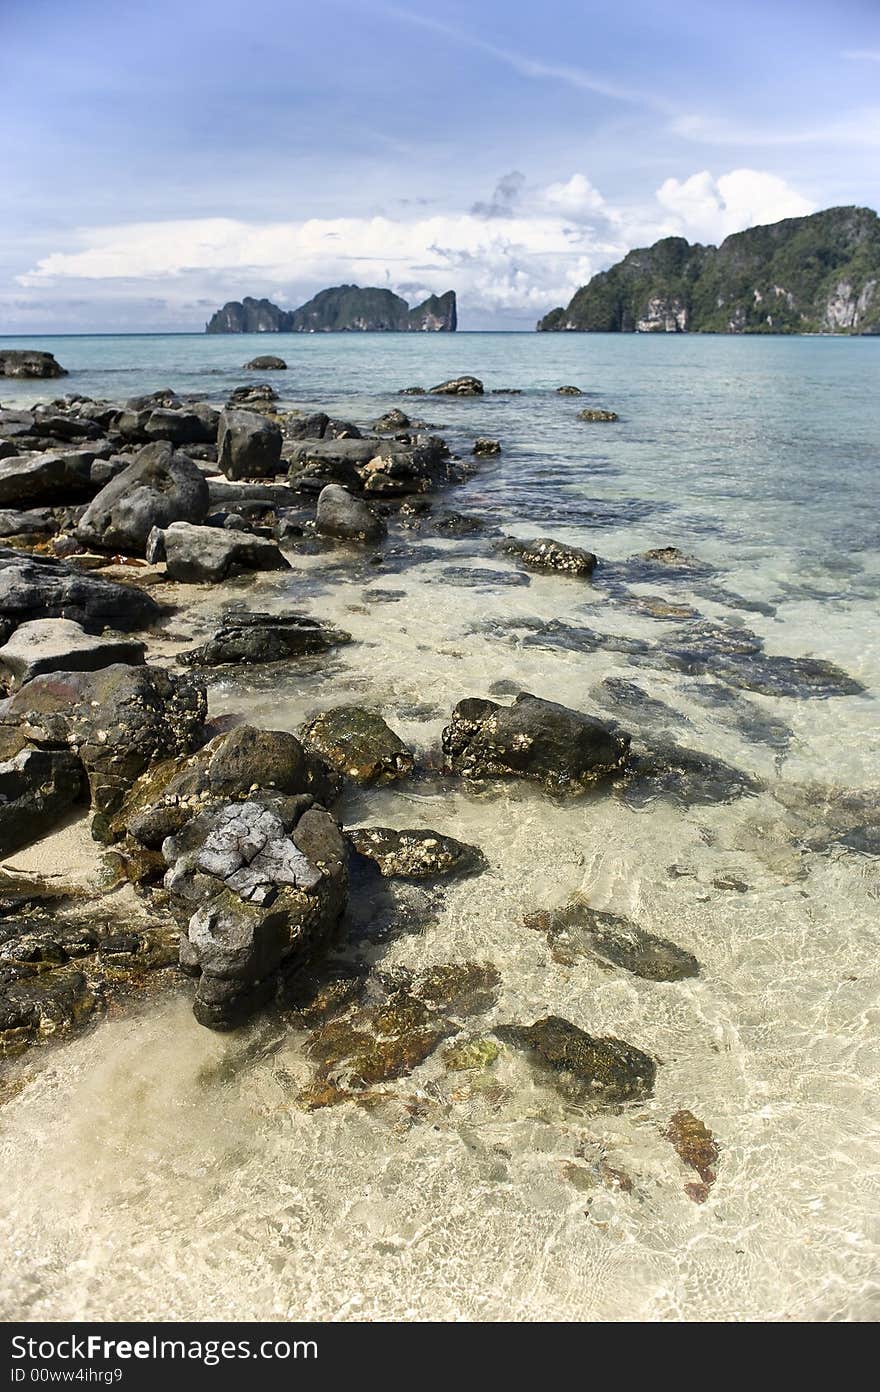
x,y
159,157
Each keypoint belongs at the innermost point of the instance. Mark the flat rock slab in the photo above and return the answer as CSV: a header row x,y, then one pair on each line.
x,y
61,645
204,554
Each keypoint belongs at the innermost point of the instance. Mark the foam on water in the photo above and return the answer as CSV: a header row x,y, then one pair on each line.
x,y
154,1169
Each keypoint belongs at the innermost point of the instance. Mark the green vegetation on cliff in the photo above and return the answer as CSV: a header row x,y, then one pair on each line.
x,y
341,309
816,274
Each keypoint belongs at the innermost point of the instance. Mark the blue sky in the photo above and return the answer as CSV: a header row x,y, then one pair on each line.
x,y
159,158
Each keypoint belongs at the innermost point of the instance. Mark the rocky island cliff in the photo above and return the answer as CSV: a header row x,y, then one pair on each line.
x,y
341,309
815,274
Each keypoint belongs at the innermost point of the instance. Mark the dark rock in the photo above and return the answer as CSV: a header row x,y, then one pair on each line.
x,y
49,478
359,744
37,788
158,488
258,395
203,555
165,399
248,445
545,554
459,524
42,1004
563,749
311,427
27,362
267,363
36,587
569,391
416,854
458,386
32,522
596,413
183,427
391,421
485,448
666,769
61,645
350,519
118,720
603,1071
577,930
264,638
695,1145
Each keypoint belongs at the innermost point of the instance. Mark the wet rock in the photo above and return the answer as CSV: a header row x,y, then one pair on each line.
x,y
203,555
37,587
458,386
313,463
359,744
248,445
460,524
545,554
40,1004
118,720
596,413
635,702
257,396
165,399
464,1054
416,854
482,578
603,1071
803,678
697,1147
671,558
251,638
37,788
569,391
392,420
350,519
160,487
484,448
563,749
61,645
45,478
576,930
266,363
259,887
182,427
27,362
666,769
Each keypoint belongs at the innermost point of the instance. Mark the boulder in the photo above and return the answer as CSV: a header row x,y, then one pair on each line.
x,y
36,587
37,788
165,399
311,427
119,720
248,445
204,555
348,518
576,931
259,888
458,386
569,391
45,478
27,362
61,645
484,448
416,854
604,1071
250,638
392,420
158,488
181,427
596,413
258,395
359,744
266,363
545,554
31,522
563,749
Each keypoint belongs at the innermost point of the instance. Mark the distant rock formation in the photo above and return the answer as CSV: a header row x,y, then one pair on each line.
x,y
816,274
342,309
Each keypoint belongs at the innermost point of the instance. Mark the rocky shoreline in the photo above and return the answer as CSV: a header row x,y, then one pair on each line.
x,y
218,852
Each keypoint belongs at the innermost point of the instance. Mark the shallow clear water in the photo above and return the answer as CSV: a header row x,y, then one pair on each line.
x,y
153,1168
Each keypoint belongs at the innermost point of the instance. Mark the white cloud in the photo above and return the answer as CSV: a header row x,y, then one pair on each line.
x,y
710,209
528,255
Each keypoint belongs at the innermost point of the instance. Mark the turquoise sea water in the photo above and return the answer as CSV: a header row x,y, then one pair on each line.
x,y
154,1168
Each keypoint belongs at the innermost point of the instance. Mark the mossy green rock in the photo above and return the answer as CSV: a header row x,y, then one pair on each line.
x,y
359,744
603,1071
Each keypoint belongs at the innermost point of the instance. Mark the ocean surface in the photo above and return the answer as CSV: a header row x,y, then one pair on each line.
x,y
155,1169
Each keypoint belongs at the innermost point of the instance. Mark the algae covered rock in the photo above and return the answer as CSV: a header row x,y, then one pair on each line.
x,y
603,1071
416,854
576,930
545,554
359,744
563,749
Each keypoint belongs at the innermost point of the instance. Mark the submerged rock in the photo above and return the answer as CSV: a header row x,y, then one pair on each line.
x,y
60,645
586,1069
159,488
697,1147
563,749
250,638
458,386
359,744
576,930
666,769
203,555
416,854
351,519
548,555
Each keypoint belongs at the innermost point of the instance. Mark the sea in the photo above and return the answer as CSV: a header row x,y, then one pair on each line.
x,y
153,1169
